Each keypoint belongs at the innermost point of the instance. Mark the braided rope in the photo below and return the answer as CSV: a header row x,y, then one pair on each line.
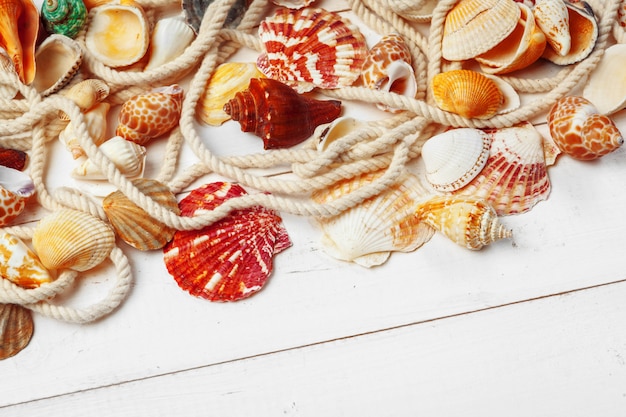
x,y
31,122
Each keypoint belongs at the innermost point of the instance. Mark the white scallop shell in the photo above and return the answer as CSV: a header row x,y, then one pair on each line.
x,y
127,156
453,158
162,50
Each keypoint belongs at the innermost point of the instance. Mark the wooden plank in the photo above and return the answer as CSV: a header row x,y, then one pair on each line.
x,y
562,355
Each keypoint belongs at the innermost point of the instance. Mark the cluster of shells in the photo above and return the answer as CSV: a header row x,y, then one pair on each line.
x,y
106,79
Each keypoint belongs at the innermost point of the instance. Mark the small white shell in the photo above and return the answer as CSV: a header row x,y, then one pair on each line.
x,y
162,49
453,158
127,156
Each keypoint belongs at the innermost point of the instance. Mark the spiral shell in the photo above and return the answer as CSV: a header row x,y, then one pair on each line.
x,y
16,187
278,114
65,17
467,221
150,115
133,224
127,156
71,239
580,131
16,329
58,59
19,264
19,27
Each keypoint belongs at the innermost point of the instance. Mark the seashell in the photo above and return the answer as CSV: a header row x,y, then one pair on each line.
x,y
16,187
521,48
416,11
229,78
65,17
466,220
127,156
19,27
58,59
96,120
515,177
194,12
230,259
583,29
473,27
467,93
86,94
338,128
552,18
150,115
19,264
16,329
606,85
72,239
387,67
453,158
13,158
118,33
314,46
8,89
580,131
162,50
133,224
277,114
293,4
90,4
368,232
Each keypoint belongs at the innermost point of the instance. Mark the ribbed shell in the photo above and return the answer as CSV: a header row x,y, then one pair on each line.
x,y
473,27
19,264
314,46
86,94
230,259
468,221
453,158
16,329
133,224
65,17
467,93
71,239
368,232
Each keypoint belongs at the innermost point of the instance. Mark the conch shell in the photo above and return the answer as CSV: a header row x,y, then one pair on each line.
x,y
65,17
19,26
127,156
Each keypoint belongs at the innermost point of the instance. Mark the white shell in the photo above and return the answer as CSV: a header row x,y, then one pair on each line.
x,y
57,59
162,50
512,100
127,156
453,158
337,129
552,18
606,86
96,120
16,258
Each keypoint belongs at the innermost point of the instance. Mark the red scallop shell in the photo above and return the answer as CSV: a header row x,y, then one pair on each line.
x,y
230,259
311,45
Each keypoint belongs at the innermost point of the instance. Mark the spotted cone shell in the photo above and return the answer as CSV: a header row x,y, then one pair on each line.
x,y
230,259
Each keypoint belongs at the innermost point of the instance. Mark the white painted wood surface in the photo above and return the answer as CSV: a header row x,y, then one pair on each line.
x,y
532,326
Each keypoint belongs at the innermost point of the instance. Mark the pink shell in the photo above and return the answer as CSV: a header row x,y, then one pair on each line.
x,y
230,259
311,45
148,116
515,177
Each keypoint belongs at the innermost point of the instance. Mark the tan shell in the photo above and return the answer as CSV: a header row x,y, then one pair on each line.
x,y
96,120
133,224
473,27
71,239
86,94
127,156
467,93
553,19
606,85
16,329
58,59
118,34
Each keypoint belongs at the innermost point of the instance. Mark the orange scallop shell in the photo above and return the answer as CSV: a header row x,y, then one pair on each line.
x,y
230,259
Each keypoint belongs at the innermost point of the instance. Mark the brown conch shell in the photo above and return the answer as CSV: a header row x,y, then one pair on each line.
x,y
278,114
16,329
19,26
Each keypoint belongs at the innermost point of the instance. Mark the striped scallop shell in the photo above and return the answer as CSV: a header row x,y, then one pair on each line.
x,y
314,46
230,259
16,329
453,158
472,27
16,187
71,239
367,233
133,224
19,264
515,177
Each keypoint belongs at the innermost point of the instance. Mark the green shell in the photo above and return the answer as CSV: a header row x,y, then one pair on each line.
x,y
65,17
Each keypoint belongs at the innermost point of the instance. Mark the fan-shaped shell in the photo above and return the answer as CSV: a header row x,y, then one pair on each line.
x,y
368,232
606,85
466,220
552,18
580,131
13,158
228,79
162,50
19,264
16,329
230,259
467,93
19,27
472,27
515,177
150,115
118,33
72,239
58,59
65,17
453,158
133,224
16,187
313,46
127,156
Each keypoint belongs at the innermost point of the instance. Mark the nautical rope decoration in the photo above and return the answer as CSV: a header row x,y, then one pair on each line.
x,y
31,122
